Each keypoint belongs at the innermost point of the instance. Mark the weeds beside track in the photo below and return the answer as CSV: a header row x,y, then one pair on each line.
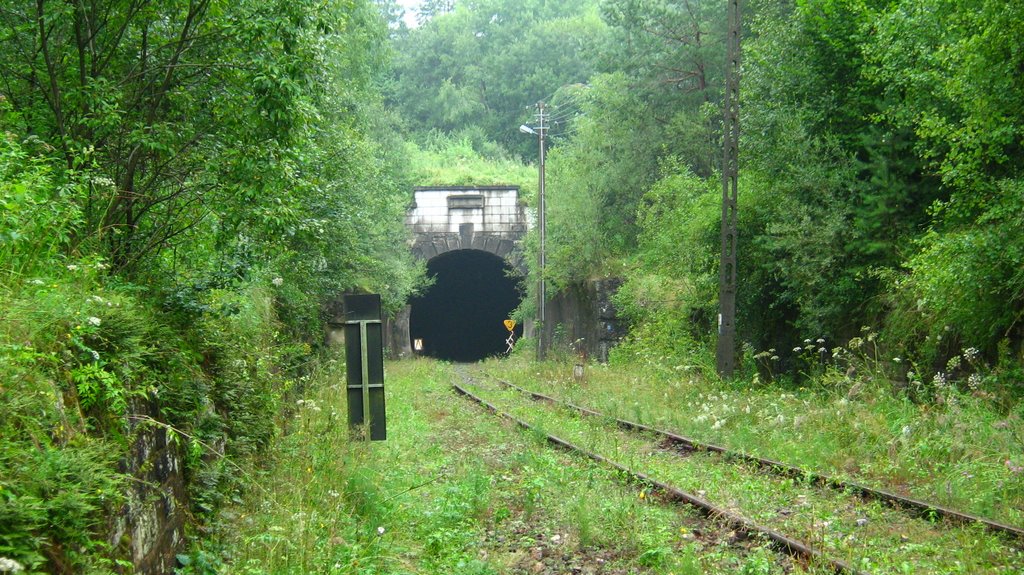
x,y
779,541
916,506
865,534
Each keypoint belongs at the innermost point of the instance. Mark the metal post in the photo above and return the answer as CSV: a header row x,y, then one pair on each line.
x,y
726,352
365,364
542,224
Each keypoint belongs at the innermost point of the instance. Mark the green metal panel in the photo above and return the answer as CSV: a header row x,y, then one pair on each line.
x,y
364,356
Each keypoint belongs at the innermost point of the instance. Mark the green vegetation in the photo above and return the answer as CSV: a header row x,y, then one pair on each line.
x,y
876,187
957,450
479,69
452,490
871,536
184,186
853,210
880,176
456,162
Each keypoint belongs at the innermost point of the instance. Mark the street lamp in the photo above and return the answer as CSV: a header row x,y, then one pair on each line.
x,y
542,224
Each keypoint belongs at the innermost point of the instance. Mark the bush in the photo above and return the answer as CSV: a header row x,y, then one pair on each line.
x,y
965,285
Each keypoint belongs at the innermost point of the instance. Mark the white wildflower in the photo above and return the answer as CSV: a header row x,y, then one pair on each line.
x,y
775,358
897,360
72,267
278,281
103,182
797,349
94,321
971,353
821,340
8,565
906,430
380,530
974,381
95,354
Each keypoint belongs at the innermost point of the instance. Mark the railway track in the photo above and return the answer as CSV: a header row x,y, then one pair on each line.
x,y
915,506
831,524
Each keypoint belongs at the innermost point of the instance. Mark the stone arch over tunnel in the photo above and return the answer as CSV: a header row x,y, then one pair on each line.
x,y
459,318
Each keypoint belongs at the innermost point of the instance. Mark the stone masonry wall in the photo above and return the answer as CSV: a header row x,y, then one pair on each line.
x,y
585,314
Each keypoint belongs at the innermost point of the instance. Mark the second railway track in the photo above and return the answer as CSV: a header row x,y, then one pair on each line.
x,y
916,506
861,535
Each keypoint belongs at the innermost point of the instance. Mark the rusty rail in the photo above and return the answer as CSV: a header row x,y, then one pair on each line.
x,y
919,507
781,542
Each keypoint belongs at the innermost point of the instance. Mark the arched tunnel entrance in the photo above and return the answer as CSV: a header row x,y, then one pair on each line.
x,y
460,317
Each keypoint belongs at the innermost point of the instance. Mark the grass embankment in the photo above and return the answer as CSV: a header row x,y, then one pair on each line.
x,y
869,535
90,369
966,451
452,490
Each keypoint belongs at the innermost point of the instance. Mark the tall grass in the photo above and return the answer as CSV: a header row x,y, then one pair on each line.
x,y
452,490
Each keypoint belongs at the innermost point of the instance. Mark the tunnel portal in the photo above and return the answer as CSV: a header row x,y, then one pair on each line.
x,y
460,317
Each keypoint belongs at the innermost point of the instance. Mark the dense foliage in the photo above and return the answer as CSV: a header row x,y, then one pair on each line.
x,y
185,185
480,67
880,180
880,162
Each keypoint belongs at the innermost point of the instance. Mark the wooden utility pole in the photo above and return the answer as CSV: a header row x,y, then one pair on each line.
x,y
542,256
726,353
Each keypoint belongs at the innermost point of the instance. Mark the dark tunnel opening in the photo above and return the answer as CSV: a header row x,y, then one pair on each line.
x,y
460,318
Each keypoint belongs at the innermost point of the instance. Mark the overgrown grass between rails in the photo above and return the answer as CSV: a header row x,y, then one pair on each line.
x,y
453,490
866,534
964,453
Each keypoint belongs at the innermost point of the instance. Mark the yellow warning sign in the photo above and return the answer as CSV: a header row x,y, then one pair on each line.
x,y
510,324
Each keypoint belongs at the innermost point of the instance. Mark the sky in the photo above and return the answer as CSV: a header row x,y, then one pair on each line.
x,y
410,11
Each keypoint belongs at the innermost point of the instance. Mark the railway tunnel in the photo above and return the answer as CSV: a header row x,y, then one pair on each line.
x,y
460,317
471,240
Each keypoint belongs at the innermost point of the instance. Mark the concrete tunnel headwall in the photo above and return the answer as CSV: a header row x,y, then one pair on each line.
x,y
471,239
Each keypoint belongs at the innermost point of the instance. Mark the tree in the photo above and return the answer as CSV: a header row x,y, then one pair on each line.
x,y
952,74
243,127
485,64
